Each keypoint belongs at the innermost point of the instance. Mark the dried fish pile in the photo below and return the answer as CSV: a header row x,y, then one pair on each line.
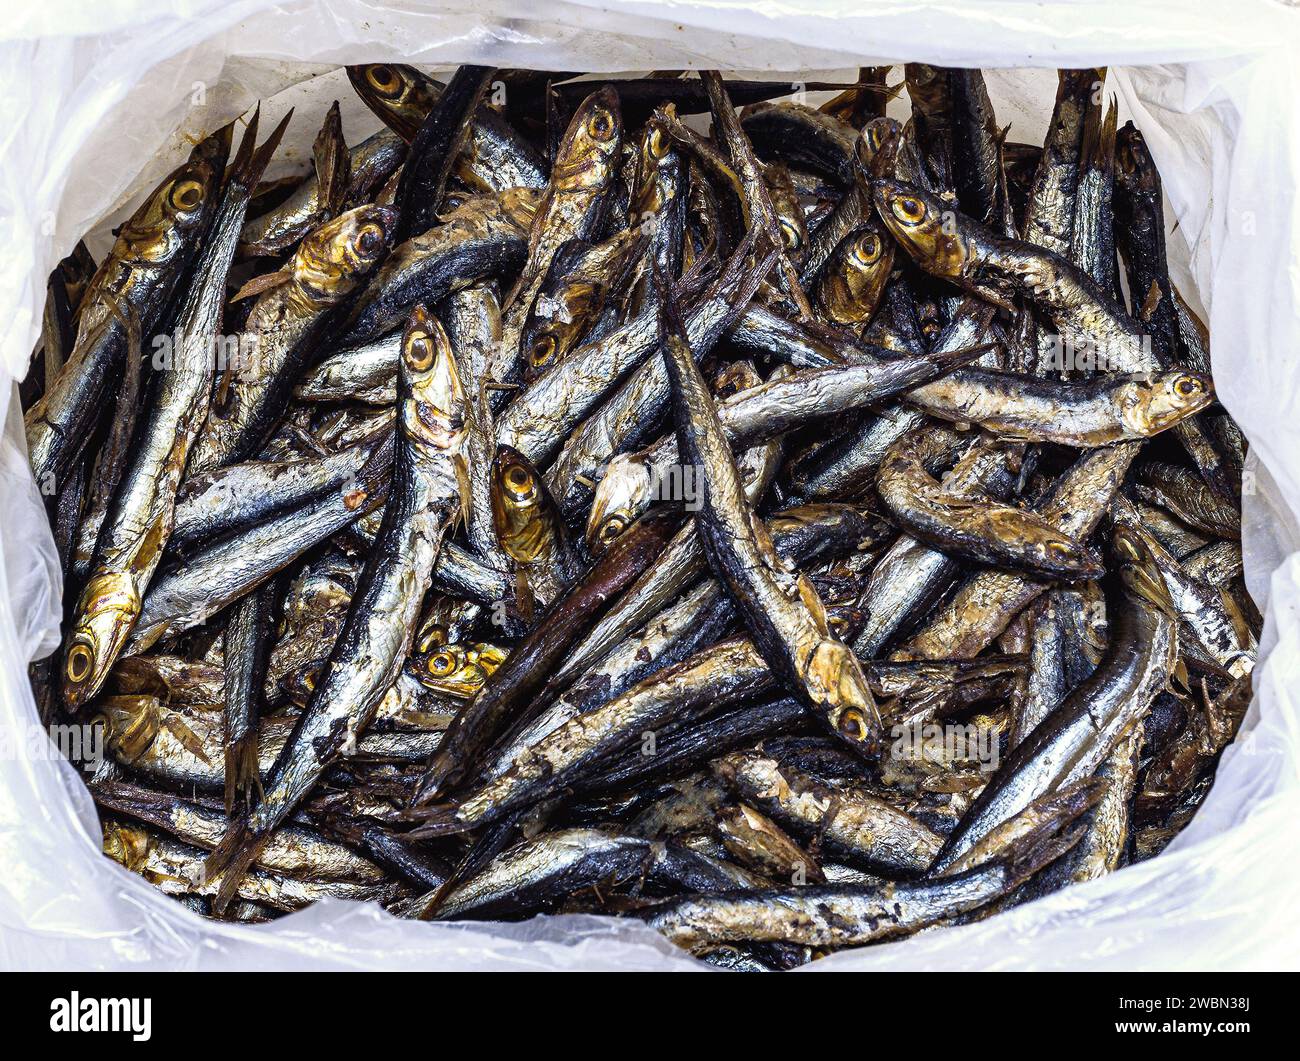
x,y
792,528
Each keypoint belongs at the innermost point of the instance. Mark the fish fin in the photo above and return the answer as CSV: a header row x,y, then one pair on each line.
x,y
766,548
440,819
251,163
333,164
813,602
1039,849
230,860
262,283
187,737
461,469
525,601
1151,303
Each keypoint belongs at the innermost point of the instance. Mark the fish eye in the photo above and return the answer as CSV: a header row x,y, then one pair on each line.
x,y
543,350
368,239
80,662
186,195
419,351
868,249
601,125
1187,386
441,663
612,528
518,480
909,209
853,725
383,79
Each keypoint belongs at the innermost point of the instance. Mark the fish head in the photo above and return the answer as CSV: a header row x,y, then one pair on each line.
x,y
834,678
523,514
789,212
1138,570
929,231
1134,166
131,723
431,399
331,259
877,145
1152,405
108,609
555,322
127,845
458,671
654,181
622,495
591,144
401,95
157,231
855,278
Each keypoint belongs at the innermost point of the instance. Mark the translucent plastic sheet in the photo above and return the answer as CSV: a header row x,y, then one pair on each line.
x,y
95,105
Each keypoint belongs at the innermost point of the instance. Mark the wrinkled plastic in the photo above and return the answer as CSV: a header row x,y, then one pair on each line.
x,y
97,104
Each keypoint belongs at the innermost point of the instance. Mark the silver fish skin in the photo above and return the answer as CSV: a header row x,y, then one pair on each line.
x,y
911,575
847,822
1203,609
366,373
780,405
845,916
176,869
295,850
1088,725
286,324
240,495
154,248
603,667
141,515
480,239
781,609
1083,413
537,422
222,572
473,321
984,604
377,634
977,528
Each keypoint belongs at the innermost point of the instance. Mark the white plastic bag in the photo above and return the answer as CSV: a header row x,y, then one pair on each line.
x,y
95,104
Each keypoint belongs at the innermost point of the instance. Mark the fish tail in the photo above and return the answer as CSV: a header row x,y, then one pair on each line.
x,y
437,820
251,163
440,775
1039,849
243,778
230,860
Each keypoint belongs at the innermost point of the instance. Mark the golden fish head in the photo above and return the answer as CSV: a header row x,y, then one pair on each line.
x,y
331,259
432,399
523,514
923,226
1162,401
621,496
107,611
